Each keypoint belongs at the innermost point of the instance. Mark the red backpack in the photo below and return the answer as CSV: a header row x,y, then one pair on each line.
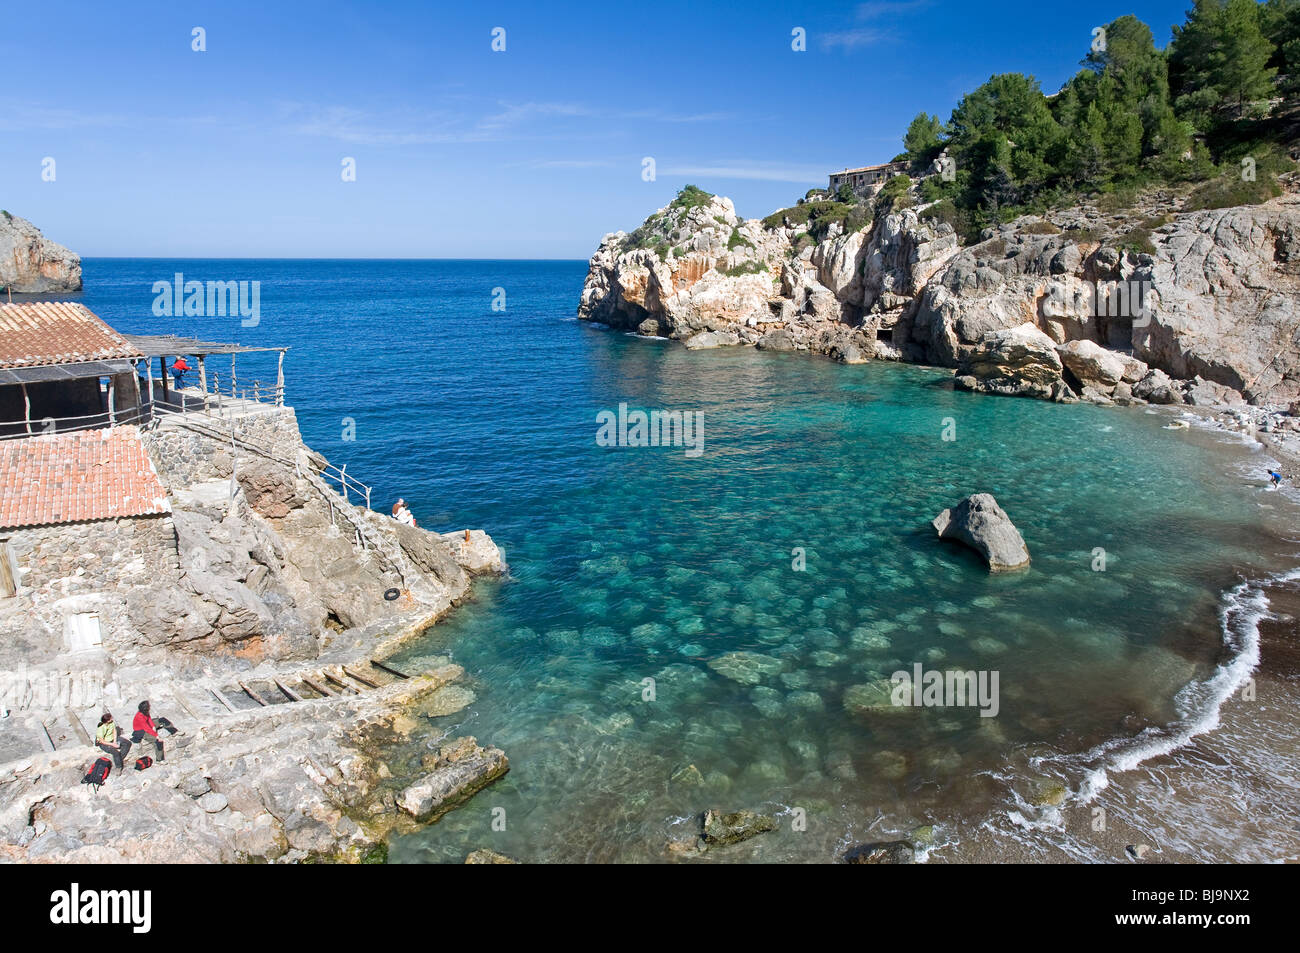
x,y
98,773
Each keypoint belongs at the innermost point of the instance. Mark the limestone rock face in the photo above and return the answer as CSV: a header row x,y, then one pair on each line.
x,y
1213,295
1228,300
31,263
1019,361
981,524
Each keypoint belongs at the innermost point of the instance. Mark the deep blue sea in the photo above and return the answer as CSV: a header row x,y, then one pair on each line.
x,y
658,649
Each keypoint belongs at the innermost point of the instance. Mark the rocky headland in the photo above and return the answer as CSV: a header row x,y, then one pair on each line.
x,y
1149,304
31,263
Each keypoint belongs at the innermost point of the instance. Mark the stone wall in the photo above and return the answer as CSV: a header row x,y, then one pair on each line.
x,y
82,568
74,558
184,457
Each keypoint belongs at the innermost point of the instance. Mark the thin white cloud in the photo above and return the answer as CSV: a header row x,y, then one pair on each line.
x,y
876,9
853,39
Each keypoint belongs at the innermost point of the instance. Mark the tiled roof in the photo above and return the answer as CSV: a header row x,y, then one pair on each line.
x,y
57,332
87,475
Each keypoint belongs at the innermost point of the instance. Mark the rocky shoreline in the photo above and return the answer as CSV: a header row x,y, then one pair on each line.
x,y
1152,305
255,636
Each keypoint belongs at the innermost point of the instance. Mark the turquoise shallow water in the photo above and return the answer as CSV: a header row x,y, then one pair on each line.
x,y
644,563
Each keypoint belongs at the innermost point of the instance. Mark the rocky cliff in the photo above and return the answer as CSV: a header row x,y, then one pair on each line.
x,y
1151,303
30,262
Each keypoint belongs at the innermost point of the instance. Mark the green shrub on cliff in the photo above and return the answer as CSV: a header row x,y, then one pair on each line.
x,y
744,268
691,197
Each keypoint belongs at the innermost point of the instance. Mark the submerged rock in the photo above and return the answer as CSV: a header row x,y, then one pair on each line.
x,y
719,830
882,852
484,856
748,668
981,524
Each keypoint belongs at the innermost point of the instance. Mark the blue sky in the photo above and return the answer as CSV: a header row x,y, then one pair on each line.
x,y
462,152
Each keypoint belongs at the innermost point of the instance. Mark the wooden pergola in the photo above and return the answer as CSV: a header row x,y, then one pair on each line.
x,y
164,346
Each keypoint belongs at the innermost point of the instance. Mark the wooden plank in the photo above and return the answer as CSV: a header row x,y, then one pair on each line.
x,y
251,694
223,699
319,689
184,707
359,678
340,683
288,693
79,728
389,669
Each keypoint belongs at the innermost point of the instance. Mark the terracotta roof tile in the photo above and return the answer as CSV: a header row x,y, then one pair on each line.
x,y
57,332
87,475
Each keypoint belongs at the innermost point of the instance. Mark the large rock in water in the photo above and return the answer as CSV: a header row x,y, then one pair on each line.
x,y
30,262
1020,361
981,524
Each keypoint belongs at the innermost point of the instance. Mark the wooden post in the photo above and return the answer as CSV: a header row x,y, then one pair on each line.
x,y
148,363
203,382
112,413
27,408
234,381
279,380
162,366
343,481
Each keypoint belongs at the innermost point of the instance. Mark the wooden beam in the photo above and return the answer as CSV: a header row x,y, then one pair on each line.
x,y
288,693
78,727
27,408
359,678
222,698
252,694
389,669
319,689
185,708
339,682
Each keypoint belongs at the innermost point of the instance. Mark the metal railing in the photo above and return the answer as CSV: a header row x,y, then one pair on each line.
x,y
37,427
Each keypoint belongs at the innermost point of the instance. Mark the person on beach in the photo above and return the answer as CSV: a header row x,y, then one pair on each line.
x,y
1274,478
402,514
145,726
107,738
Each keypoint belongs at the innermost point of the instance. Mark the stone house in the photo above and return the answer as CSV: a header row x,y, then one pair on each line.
x,y
83,518
867,179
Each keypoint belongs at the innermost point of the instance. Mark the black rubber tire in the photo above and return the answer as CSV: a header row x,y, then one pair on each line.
x,y
391,594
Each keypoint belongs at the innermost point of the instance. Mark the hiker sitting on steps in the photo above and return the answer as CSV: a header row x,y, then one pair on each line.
x,y
107,739
145,726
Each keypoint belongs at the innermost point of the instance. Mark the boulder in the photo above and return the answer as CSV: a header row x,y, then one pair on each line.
x,y
1019,361
882,852
1092,364
981,524
462,768
719,830
708,339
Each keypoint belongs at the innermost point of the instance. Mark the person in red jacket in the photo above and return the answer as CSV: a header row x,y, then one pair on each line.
x,y
145,726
